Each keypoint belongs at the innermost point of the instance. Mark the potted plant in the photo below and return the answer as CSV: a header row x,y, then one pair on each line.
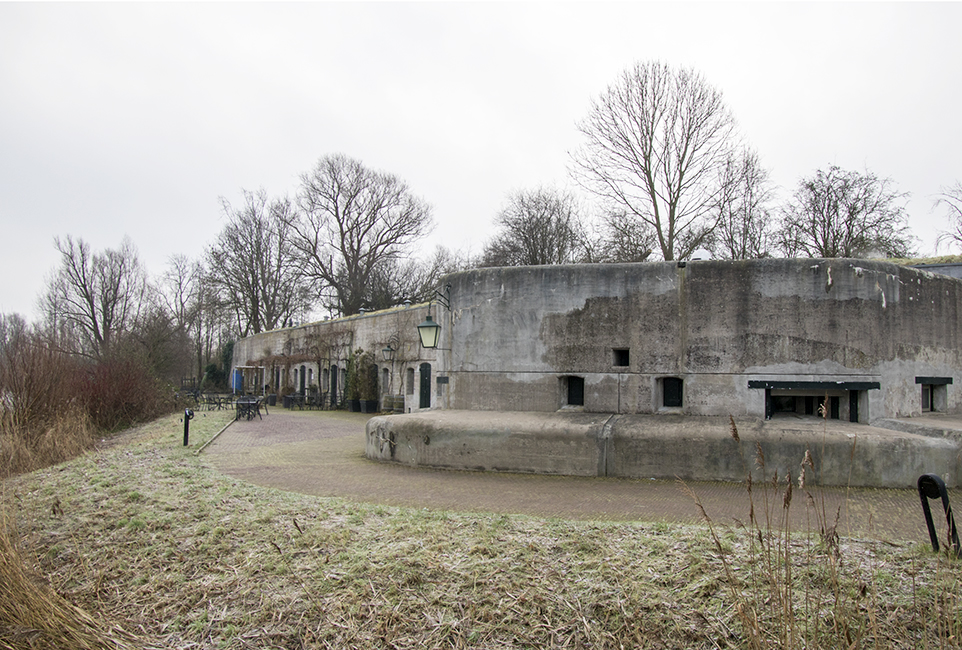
x,y
367,388
352,390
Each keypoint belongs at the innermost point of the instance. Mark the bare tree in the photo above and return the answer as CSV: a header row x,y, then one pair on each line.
x,y
539,226
183,291
626,238
839,213
397,281
657,142
180,289
351,221
951,200
744,218
255,269
99,297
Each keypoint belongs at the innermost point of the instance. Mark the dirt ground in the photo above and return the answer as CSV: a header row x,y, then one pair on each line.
x,y
322,453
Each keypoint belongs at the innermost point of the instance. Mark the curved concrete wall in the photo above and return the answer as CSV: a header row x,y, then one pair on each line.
x,y
663,447
516,335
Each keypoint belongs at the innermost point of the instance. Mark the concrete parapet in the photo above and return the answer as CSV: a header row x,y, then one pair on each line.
x,y
661,447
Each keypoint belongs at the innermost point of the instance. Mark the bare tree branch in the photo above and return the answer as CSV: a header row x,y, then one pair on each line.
x,y
951,200
350,221
839,213
254,267
657,142
539,226
98,296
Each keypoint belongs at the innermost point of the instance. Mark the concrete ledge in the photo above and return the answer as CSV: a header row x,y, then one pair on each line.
x,y
665,447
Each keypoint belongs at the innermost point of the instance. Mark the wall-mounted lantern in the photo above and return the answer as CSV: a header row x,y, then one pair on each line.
x,y
430,332
388,353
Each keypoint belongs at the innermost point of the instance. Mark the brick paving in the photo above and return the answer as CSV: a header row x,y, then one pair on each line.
x,y
322,453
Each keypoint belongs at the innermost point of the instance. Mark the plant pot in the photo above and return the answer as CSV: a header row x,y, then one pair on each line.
x,y
354,405
369,406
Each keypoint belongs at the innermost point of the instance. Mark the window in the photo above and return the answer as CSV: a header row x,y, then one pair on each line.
x,y
410,381
672,392
621,358
927,398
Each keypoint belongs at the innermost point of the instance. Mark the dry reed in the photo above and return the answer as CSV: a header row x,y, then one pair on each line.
x,y
32,615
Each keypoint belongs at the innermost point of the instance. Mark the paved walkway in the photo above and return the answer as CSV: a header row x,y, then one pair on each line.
x,y
322,453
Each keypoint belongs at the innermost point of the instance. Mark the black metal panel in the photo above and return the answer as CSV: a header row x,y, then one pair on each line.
x,y
934,381
813,385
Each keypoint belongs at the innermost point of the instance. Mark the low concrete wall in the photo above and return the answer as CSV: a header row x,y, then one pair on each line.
x,y
664,447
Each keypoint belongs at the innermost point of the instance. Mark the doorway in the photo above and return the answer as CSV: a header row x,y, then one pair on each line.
x,y
425,402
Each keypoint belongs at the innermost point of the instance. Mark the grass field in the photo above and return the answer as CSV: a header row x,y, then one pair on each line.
x,y
141,544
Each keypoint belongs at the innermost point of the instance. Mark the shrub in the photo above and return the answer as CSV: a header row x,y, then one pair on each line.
x,y
118,392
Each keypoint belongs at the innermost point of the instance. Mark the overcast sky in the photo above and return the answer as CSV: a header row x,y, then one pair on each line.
x,y
134,119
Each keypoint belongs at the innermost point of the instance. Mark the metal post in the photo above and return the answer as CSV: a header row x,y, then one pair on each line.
x,y
931,486
188,414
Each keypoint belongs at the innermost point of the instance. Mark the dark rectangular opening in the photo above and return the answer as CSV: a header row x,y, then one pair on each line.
x,y
576,391
672,387
621,358
783,404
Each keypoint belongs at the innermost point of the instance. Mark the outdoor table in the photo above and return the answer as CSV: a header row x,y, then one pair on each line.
x,y
247,408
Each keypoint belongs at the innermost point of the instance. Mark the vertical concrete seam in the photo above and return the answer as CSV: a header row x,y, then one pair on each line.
x,y
606,441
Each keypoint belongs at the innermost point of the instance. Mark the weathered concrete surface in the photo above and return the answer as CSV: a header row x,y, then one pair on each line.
x,y
516,334
663,446
516,339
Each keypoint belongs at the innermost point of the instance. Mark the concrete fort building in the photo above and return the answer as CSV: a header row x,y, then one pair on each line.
x,y
640,370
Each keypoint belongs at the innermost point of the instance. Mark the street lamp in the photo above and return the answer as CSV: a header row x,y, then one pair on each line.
x,y
388,353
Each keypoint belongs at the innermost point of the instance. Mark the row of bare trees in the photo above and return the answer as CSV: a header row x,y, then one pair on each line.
x,y
114,339
343,243
663,157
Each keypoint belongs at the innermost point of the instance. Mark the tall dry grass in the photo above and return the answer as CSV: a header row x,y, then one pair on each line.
x,y
33,615
45,442
799,589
